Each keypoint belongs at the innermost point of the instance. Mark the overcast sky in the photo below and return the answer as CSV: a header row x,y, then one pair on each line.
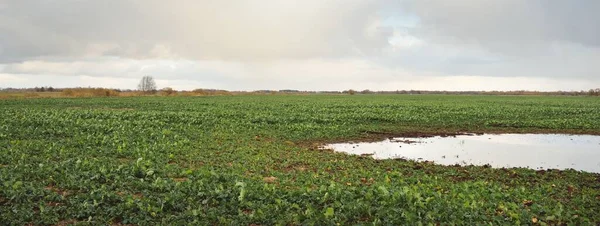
x,y
306,45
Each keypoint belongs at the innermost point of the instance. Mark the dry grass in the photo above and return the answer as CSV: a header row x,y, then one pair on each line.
x,y
90,92
131,94
102,92
209,92
13,95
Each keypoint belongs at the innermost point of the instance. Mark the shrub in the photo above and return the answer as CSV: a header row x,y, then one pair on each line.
x,y
168,91
202,92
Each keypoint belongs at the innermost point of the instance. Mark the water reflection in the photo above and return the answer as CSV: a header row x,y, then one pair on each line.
x,y
536,151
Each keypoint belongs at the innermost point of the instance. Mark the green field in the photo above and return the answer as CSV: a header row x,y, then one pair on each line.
x,y
243,160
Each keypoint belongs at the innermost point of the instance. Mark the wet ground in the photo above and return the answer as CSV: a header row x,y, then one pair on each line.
x,y
535,151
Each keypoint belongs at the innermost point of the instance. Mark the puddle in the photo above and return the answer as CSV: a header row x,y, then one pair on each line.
x,y
535,151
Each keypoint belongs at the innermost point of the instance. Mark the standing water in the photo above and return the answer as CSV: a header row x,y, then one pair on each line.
x,y
536,151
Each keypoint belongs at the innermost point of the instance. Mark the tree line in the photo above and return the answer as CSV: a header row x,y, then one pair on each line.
x,y
147,85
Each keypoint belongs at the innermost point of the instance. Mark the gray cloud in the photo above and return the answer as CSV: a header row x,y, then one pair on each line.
x,y
510,38
362,44
511,26
238,30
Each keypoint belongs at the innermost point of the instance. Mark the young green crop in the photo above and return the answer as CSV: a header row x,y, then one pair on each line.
x,y
241,160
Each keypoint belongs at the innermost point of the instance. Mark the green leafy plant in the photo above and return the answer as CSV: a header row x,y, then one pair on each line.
x,y
247,159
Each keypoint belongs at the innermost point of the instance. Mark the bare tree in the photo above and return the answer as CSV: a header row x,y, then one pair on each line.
x,y
147,85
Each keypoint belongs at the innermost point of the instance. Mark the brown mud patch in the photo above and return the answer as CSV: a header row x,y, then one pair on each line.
x,y
138,195
180,179
66,222
270,180
123,160
118,222
59,191
374,136
54,204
